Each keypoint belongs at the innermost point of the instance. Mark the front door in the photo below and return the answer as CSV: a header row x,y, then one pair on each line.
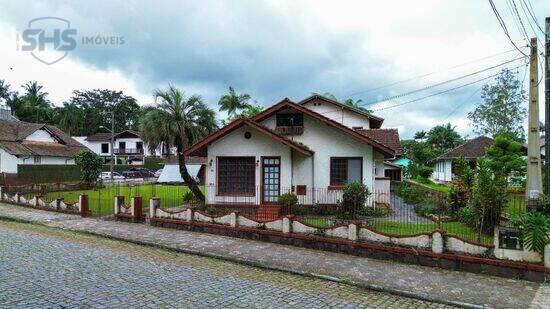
x,y
271,176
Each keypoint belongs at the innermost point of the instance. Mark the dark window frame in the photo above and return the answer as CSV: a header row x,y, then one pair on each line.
x,y
333,169
221,187
104,144
262,180
290,120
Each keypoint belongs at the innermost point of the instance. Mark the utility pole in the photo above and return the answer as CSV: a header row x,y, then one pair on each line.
x,y
534,177
112,145
547,107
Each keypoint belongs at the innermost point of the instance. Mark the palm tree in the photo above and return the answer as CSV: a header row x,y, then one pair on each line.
x,y
232,102
420,135
357,105
70,118
180,121
34,105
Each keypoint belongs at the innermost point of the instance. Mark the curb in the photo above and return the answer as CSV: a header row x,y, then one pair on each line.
x,y
357,283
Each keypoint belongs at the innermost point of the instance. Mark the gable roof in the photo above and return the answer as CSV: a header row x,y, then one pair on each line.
x,y
388,137
13,134
106,136
287,103
471,149
199,149
376,122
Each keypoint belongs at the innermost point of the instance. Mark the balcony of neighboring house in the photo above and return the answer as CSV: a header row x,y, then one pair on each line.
x,y
128,151
290,124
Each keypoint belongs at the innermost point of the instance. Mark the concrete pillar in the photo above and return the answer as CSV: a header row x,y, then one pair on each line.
x,y
17,198
37,200
189,214
1,193
136,209
83,205
547,255
437,242
352,231
287,225
58,202
119,201
233,219
154,203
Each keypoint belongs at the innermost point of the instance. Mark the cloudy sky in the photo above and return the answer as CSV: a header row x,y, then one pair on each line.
x,y
277,49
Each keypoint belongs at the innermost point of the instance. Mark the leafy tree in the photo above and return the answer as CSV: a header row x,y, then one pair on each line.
x,y
5,92
90,166
32,106
233,102
69,118
505,158
443,138
181,121
418,151
502,112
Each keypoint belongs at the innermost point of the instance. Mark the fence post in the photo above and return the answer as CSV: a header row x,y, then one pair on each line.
x,y
84,207
437,242
119,200
154,203
58,202
1,193
17,198
352,231
233,219
136,209
190,214
37,200
547,255
287,224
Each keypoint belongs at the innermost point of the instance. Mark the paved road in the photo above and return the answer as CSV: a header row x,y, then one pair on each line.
x,y
43,267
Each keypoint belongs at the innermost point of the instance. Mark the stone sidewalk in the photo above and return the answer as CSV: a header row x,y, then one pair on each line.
x,y
433,284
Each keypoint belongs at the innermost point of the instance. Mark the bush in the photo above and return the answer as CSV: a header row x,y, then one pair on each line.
x,y
371,212
90,166
323,210
287,200
466,215
354,197
411,194
426,207
535,229
188,197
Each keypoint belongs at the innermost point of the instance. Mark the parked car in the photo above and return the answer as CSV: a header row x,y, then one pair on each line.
x,y
131,174
158,172
141,172
107,176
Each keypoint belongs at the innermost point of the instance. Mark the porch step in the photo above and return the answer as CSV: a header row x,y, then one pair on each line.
x,y
268,212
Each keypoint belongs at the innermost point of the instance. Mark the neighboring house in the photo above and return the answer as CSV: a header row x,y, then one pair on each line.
x,y
389,137
312,148
471,150
128,146
171,170
34,143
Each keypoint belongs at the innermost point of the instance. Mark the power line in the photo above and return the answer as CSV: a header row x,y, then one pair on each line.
x,y
503,26
460,105
428,74
532,14
440,92
441,83
516,13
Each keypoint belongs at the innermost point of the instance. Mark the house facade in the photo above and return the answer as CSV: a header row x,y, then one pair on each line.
x,y
312,148
34,143
128,148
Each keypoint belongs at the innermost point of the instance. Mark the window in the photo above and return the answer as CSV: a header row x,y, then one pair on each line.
x,y
236,175
290,120
105,148
345,170
139,145
122,145
37,160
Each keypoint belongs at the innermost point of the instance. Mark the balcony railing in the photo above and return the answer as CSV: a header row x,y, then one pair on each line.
x,y
129,151
289,130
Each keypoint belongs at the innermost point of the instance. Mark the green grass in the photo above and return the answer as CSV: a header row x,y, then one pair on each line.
x,y
101,201
403,228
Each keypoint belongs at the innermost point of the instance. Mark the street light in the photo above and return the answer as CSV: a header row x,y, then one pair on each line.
x,y
112,130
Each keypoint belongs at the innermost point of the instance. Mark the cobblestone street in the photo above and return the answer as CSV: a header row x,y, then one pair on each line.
x,y
43,267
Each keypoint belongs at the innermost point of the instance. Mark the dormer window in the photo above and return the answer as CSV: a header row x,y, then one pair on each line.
x,y
290,124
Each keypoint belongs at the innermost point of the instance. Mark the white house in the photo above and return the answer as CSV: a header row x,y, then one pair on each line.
x,y
34,143
312,148
128,146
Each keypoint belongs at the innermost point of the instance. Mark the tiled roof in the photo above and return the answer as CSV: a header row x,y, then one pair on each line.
x,y
188,160
471,149
387,137
105,136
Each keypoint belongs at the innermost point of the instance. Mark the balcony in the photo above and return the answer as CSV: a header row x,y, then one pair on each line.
x,y
289,130
128,151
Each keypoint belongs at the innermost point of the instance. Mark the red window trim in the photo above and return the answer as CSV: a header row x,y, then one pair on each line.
x,y
339,187
218,178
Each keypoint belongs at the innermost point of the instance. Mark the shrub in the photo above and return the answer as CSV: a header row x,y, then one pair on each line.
x,y
535,229
459,195
371,212
90,166
466,216
287,200
354,197
427,207
425,171
323,210
188,197
411,194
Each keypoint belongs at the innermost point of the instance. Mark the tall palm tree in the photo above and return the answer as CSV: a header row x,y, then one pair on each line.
x,y
34,105
232,102
70,118
180,121
356,104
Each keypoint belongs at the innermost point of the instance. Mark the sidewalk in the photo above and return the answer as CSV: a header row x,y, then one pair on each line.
x,y
427,283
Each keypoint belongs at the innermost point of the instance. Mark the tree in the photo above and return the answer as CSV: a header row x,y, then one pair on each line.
x,y
181,121
502,112
69,118
32,106
233,102
5,92
349,102
249,112
420,135
418,151
443,138
505,158
90,166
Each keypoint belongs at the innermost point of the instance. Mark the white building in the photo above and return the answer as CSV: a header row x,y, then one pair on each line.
x,y
34,143
312,148
128,146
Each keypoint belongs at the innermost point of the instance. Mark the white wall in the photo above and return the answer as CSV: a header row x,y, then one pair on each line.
x,y
442,171
337,113
47,160
40,136
130,144
8,162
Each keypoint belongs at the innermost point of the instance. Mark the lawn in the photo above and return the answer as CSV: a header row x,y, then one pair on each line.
x,y
410,228
101,200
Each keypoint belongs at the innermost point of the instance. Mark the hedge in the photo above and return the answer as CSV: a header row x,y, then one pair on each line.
x,y
47,173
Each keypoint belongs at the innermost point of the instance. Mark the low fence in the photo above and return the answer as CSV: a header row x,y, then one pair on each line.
x,y
79,206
